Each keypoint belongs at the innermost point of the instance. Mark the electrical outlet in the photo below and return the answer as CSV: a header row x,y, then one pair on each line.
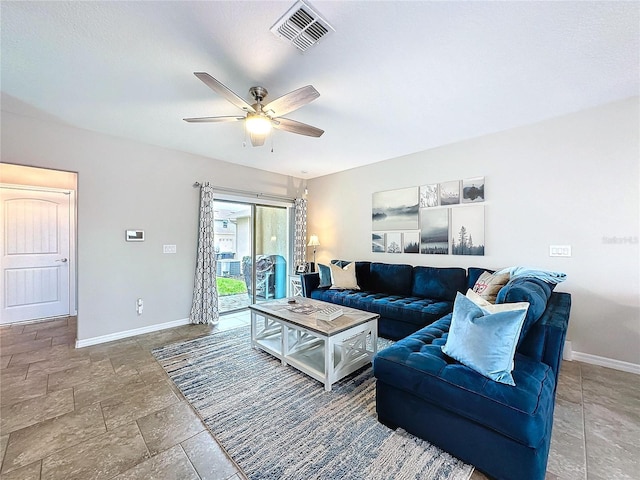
x,y
559,250
139,306
168,249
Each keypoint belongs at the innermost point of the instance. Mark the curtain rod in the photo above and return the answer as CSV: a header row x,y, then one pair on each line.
x,y
247,193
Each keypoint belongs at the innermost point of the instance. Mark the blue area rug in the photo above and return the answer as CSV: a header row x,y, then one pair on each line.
x,y
278,423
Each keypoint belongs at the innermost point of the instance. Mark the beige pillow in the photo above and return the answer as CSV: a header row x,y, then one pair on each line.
x,y
488,285
477,299
344,278
491,308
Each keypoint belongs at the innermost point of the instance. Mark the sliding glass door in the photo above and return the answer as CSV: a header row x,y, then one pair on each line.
x,y
252,244
272,263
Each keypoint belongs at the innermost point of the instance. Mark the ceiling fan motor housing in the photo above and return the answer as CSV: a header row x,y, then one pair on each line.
x,y
258,93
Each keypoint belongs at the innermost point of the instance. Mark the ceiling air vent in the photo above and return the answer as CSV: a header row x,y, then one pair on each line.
x,y
302,26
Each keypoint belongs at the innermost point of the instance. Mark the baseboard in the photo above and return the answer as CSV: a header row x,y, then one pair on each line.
x,y
130,333
606,362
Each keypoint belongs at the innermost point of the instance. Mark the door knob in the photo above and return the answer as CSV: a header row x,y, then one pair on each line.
x,y
63,260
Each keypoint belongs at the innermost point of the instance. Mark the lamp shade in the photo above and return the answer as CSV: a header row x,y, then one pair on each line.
x,y
313,241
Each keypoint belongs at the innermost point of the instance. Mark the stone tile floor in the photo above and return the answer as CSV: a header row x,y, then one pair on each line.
x,y
109,411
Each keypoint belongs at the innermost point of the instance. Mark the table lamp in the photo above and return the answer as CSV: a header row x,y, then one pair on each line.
x,y
313,242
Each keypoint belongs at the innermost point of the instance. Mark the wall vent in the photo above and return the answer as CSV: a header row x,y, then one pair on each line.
x,y
302,26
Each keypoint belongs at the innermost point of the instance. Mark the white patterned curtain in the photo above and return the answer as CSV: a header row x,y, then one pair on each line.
x,y
204,308
300,234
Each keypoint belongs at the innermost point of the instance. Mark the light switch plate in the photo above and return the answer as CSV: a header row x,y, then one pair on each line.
x,y
559,250
168,249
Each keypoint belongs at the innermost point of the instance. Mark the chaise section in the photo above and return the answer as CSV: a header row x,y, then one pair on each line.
x,y
417,366
503,430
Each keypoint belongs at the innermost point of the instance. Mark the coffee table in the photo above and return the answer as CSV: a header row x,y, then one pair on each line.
x,y
325,350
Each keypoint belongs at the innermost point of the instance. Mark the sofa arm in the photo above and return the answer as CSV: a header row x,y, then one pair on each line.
x,y
545,340
309,282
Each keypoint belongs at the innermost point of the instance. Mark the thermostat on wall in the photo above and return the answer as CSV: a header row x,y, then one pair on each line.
x,y
134,235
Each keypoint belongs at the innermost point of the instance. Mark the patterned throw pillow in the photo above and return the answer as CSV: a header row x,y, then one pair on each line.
x,y
488,285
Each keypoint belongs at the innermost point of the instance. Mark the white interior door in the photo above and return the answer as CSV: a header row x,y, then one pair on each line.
x,y
35,250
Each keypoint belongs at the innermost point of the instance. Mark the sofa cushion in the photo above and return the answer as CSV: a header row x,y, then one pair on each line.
x,y
484,337
411,310
325,275
417,365
489,284
344,277
394,279
473,273
438,283
363,272
526,289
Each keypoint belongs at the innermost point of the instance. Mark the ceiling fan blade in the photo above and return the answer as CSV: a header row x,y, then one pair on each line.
x,y
213,119
219,88
291,101
257,140
300,128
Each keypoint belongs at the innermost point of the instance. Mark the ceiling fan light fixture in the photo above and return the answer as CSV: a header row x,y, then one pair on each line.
x,y
258,124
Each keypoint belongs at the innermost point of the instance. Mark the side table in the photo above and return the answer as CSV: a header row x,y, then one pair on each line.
x,y
295,286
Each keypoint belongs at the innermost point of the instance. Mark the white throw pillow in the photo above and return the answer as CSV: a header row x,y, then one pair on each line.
x,y
477,299
495,308
344,278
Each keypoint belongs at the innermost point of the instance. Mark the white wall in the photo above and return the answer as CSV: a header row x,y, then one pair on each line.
x,y
572,180
127,185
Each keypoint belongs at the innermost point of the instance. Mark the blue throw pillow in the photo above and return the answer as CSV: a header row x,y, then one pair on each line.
x,y
325,275
484,338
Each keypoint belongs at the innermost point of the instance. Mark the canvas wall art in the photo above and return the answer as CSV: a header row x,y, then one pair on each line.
x,y
429,196
411,242
467,230
377,242
393,242
434,231
450,193
395,209
473,190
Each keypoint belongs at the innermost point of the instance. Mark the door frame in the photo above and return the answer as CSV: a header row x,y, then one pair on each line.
x,y
73,219
254,202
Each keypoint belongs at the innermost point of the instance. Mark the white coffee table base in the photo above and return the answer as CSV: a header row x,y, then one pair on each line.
x,y
325,358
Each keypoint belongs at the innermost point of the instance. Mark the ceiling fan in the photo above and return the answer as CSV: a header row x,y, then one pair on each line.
x,y
260,118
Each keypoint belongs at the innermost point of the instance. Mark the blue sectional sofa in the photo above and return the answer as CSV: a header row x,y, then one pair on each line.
x,y
407,298
503,430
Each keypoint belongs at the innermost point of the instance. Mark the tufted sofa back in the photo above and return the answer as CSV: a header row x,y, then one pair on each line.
x,y
438,283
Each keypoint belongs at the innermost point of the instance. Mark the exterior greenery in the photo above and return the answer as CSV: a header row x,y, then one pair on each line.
x,y
230,286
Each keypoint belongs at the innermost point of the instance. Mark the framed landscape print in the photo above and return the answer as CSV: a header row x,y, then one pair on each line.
x,y
450,193
434,231
411,242
395,210
473,190
429,196
393,242
467,230
377,242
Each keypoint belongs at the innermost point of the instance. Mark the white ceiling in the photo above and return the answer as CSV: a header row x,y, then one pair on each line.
x,y
394,78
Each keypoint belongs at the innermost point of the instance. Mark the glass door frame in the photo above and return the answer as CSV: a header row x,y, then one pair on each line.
x,y
254,205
